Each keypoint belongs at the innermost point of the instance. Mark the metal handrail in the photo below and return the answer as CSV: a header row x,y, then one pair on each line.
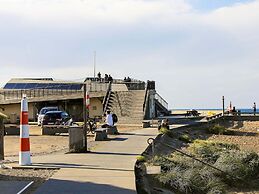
x,y
161,100
107,97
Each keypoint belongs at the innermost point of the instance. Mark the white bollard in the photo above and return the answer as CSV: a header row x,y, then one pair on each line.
x,y
24,154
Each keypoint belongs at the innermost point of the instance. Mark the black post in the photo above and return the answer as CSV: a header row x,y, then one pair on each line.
x,y
85,117
1,139
223,105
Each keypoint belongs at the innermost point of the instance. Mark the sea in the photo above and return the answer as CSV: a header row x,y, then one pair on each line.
x,y
210,110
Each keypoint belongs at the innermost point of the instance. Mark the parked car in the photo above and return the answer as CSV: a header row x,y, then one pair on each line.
x,y
56,118
43,111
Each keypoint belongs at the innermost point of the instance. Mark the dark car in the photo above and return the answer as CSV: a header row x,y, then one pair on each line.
x,y
55,118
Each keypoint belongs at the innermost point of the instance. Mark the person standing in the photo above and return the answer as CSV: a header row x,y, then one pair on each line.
x,y
254,108
99,76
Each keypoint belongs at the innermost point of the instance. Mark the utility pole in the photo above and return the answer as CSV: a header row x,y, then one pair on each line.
x,y
94,62
223,105
85,118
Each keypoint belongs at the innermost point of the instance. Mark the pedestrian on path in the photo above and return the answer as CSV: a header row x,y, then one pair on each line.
x,y
254,108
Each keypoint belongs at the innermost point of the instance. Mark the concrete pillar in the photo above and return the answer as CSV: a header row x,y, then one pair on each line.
x,y
76,139
152,110
1,139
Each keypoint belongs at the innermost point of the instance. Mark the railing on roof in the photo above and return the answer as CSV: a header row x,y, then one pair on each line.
x,y
10,94
36,93
161,100
132,84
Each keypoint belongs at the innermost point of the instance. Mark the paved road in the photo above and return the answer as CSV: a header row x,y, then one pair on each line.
x,y
108,169
12,187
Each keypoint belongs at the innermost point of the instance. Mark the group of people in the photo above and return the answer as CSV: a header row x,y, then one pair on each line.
x,y
127,79
107,78
233,110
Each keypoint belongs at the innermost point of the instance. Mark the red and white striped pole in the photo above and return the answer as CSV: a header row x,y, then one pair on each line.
x,y
24,154
87,101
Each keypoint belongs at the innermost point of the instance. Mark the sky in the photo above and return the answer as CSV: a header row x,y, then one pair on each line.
x,y
196,50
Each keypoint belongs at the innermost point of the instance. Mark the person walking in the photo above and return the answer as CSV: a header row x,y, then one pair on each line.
x,y
254,108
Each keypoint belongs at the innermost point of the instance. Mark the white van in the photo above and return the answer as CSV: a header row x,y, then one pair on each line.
x,y
43,111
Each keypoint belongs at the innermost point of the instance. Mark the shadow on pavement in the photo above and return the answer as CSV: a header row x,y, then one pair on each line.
x,y
95,167
54,186
114,153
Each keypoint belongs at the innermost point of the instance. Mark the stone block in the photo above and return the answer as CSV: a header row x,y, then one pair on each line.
x,y
12,129
53,129
76,139
100,134
146,124
112,130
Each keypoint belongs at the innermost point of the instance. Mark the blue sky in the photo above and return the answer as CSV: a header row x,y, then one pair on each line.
x,y
195,50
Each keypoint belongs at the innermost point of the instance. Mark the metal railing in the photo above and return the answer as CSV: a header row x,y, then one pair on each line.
x,y
8,94
161,100
107,97
36,93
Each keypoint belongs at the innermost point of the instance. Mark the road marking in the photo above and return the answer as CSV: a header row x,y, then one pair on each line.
x,y
20,192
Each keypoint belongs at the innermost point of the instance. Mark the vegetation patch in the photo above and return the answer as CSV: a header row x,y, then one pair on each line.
x,y
220,130
166,131
236,169
141,158
185,138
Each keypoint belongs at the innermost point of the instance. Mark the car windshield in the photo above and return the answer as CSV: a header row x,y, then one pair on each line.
x,y
64,114
54,115
43,111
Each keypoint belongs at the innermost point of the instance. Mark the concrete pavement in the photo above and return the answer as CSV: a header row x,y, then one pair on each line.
x,y
107,169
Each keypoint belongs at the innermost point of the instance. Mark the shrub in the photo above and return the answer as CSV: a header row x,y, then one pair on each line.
x,y
186,175
166,131
209,150
241,165
141,159
185,138
217,129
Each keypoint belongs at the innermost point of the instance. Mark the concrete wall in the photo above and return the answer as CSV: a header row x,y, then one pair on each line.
x,y
73,107
13,110
96,107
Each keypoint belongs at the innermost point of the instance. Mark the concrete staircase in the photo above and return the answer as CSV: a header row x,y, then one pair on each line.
x,y
128,106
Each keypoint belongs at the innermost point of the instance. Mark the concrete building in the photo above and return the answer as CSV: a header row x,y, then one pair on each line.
x,y
132,101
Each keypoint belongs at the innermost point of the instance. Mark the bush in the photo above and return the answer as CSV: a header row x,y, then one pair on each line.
x,y
217,129
241,165
186,175
164,130
209,150
141,159
185,138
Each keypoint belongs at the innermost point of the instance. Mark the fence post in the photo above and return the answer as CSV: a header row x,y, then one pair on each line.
x,y
1,139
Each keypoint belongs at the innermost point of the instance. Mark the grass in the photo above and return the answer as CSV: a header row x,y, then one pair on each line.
x,y
183,174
